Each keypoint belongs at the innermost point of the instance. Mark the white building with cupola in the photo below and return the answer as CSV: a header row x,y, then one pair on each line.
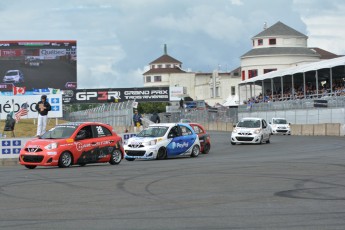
x,y
275,48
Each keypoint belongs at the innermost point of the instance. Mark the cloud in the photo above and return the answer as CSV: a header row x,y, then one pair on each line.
x,y
117,39
323,23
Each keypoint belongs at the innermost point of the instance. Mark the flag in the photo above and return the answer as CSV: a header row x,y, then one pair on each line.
x,y
23,111
18,90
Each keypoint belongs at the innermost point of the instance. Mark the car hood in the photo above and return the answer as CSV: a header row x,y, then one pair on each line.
x,y
141,139
43,142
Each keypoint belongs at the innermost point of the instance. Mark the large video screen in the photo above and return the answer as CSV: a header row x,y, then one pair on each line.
x,y
38,65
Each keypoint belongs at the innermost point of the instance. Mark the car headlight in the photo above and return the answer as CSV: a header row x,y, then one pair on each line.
x,y
257,131
234,130
51,146
151,142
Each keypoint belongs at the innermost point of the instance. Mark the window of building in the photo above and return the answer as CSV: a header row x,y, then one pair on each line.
x,y
159,66
148,78
252,73
157,78
272,41
217,92
233,90
269,70
260,42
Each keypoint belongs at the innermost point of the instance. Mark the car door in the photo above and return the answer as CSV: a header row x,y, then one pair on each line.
x,y
87,147
176,146
104,140
265,129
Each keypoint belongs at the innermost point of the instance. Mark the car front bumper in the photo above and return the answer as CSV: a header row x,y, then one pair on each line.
x,y
252,138
147,152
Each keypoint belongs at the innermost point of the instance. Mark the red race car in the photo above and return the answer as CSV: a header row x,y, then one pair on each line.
x,y
204,137
77,143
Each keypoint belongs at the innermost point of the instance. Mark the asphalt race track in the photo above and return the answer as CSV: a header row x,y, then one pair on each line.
x,y
296,182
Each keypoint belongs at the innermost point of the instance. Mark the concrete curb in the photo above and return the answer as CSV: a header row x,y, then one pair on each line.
x,y
9,162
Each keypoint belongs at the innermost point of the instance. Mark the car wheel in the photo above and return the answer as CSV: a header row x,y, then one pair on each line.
x,y
162,154
195,151
268,140
30,166
65,160
116,157
207,148
233,143
130,159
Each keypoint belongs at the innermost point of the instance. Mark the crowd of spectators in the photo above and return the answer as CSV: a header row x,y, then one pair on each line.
x,y
338,89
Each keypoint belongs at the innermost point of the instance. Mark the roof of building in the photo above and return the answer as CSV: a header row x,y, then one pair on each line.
x,y
165,58
324,64
280,29
324,54
281,51
164,70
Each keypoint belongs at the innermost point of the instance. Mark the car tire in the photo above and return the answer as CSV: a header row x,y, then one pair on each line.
x,y
195,151
233,143
207,148
161,154
268,141
116,157
261,140
30,166
65,160
130,159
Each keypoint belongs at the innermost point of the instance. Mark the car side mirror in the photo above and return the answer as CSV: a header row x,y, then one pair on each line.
x,y
80,137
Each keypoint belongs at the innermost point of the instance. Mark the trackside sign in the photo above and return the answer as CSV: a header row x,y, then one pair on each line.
x,y
10,104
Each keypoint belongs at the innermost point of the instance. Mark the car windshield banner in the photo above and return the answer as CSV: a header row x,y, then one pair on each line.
x,y
147,94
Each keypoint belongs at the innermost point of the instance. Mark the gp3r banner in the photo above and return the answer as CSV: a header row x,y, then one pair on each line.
x,y
147,94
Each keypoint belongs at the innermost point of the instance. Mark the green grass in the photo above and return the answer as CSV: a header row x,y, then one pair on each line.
x,y
28,127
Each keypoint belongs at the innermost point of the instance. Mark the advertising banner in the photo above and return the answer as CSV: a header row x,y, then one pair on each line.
x,y
13,104
147,94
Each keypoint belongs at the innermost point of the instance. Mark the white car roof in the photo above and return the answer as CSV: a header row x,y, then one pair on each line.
x,y
251,118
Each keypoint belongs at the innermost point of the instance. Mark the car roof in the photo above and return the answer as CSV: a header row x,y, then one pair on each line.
x,y
252,118
82,123
168,124
13,70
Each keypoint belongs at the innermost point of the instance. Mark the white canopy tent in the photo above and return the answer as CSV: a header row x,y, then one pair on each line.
x,y
258,81
329,63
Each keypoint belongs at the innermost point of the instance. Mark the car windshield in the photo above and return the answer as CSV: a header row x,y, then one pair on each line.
x,y
249,124
279,121
59,132
153,131
12,73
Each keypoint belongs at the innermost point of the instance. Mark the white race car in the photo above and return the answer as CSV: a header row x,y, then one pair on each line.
x,y
160,141
251,130
280,126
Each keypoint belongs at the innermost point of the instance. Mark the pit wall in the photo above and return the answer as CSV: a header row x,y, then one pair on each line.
x,y
10,147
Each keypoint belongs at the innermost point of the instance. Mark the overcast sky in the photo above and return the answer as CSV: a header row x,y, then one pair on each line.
x,y
117,39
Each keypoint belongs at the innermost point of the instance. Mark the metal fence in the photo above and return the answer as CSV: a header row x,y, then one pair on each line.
x,y
328,109
115,114
300,111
